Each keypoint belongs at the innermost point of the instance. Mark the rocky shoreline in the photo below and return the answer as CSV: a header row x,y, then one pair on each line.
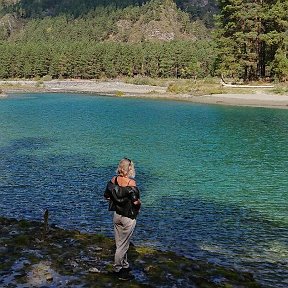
x,y
118,88
35,254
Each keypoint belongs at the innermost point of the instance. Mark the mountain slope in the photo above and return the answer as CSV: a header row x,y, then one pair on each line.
x,y
76,8
141,38
156,20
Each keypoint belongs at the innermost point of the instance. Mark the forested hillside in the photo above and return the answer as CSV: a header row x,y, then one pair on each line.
x,y
76,8
124,21
157,38
200,9
113,38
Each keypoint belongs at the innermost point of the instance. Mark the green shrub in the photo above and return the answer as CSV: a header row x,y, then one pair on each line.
x,y
119,93
196,87
141,80
280,90
39,83
47,78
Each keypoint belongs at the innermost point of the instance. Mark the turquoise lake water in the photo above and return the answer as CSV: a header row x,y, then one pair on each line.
x,y
213,179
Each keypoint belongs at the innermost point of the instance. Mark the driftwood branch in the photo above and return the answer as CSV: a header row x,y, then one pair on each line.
x,y
223,83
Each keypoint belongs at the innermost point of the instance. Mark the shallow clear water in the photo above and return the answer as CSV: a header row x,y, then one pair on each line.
x,y
213,178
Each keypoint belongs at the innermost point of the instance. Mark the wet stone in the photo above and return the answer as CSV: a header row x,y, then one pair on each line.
x,y
56,245
64,258
14,233
94,270
3,249
218,280
94,248
4,272
148,268
19,274
73,264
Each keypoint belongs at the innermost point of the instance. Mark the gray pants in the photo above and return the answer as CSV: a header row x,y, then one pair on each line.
x,y
123,229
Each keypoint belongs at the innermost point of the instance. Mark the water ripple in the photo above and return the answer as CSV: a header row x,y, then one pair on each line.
x,y
213,179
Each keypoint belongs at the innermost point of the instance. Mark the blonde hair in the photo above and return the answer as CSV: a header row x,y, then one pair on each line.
x,y
126,168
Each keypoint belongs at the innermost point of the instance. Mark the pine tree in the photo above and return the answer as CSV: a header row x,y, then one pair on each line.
x,y
5,60
250,33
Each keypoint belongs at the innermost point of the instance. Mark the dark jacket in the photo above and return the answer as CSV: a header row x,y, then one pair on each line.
x,y
121,199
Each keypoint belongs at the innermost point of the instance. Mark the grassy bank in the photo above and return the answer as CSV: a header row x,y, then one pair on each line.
x,y
36,254
206,86
195,87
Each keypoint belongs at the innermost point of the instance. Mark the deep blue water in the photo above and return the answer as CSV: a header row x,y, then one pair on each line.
x,y
213,179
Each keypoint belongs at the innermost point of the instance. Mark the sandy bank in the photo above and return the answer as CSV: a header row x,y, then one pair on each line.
x,y
259,99
253,100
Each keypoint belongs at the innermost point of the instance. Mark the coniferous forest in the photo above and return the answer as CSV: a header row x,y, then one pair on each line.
x,y
159,38
253,38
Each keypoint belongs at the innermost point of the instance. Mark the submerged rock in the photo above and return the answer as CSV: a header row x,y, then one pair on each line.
x,y
72,259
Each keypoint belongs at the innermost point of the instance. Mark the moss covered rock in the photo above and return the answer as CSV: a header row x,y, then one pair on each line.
x,y
61,258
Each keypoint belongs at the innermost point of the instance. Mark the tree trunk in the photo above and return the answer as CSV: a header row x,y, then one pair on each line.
x,y
262,59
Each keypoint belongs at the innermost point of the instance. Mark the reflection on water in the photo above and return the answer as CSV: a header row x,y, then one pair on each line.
x,y
213,179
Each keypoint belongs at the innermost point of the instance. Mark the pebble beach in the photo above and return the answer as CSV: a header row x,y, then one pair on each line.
x,y
260,98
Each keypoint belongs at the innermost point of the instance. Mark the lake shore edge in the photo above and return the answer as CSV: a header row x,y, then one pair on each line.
x,y
35,253
260,98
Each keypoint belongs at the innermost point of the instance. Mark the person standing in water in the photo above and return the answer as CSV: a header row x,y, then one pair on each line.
x,y
124,200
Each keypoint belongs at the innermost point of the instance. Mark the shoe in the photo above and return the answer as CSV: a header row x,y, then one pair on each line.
x,y
124,275
128,269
